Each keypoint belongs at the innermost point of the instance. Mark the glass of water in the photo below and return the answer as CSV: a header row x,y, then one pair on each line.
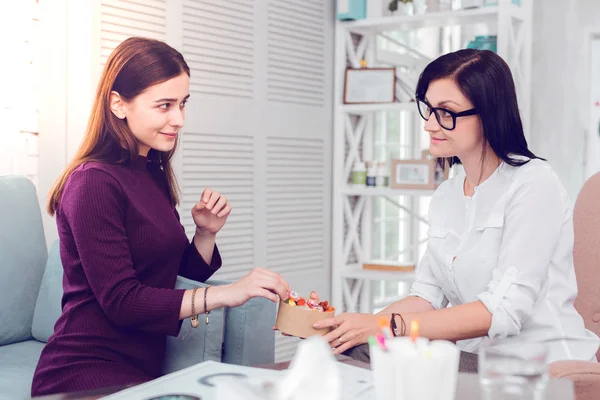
x,y
512,370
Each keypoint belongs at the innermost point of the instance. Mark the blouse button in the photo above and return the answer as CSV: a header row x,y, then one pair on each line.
x,y
596,318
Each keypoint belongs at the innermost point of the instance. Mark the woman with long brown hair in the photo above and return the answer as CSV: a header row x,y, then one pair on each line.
x,y
121,242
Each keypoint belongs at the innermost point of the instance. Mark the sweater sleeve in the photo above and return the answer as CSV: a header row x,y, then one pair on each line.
x,y
94,207
194,267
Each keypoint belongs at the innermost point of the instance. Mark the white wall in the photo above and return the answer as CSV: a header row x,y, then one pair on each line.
x,y
560,84
589,25
52,100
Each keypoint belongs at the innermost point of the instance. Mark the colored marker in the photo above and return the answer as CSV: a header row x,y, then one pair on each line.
x,y
381,340
414,330
384,324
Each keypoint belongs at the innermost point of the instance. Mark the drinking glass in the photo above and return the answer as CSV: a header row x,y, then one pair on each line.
x,y
512,370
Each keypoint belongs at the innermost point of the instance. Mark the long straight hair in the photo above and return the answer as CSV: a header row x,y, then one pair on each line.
x,y
485,79
136,64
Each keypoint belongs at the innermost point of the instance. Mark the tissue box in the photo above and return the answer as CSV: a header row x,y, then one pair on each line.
x,y
351,9
298,321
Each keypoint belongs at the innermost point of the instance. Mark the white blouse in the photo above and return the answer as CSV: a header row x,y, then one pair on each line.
x,y
510,245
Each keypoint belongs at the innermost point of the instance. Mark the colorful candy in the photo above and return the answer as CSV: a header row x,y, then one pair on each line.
x,y
313,303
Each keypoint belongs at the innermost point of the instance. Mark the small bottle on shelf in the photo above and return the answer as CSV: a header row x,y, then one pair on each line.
x,y
359,174
371,173
382,179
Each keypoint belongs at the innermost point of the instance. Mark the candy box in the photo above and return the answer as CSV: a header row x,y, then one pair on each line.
x,y
297,315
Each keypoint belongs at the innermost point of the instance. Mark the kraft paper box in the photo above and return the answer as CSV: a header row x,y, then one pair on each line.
x,y
298,321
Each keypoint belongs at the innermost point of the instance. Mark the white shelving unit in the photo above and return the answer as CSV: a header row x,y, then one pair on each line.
x,y
350,190
435,19
363,109
353,132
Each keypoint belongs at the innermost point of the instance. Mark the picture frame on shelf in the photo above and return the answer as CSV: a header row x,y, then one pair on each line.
x,y
425,173
370,85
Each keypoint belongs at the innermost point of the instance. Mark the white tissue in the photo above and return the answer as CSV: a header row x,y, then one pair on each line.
x,y
313,373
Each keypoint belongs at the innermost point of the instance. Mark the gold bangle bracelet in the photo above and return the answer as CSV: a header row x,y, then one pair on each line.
x,y
194,319
205,307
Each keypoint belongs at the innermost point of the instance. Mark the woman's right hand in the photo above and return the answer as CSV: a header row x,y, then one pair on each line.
x,y
259,282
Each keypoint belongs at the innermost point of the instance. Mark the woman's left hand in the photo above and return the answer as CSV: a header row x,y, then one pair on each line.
x,y
349,330
211,212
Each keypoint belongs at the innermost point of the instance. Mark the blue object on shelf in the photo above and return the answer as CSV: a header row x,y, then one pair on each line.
x,y
487,42
356,9
487,3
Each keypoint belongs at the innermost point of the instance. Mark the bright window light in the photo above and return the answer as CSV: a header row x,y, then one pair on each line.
x,y
18,89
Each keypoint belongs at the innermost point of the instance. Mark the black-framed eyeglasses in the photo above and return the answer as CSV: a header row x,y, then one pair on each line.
x,y
444,117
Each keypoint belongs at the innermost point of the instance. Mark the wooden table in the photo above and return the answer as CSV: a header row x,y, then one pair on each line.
x,y
467,388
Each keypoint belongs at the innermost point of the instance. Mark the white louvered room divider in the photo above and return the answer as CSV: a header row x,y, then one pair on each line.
x,y
218,43
120,19
258,124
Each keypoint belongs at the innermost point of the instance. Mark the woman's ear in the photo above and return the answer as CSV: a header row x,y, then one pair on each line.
x,y
118,106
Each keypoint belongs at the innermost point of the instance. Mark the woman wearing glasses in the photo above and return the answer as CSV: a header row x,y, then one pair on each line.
x,y
500,246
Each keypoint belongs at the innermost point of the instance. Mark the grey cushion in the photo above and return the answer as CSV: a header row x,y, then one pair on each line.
x,y
200,344
17,365
249,337
48,306
22,257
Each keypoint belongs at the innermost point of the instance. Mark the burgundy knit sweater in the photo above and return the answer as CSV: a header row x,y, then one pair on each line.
x,y
122,247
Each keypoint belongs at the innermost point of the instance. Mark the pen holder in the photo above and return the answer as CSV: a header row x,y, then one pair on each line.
x,y
405,369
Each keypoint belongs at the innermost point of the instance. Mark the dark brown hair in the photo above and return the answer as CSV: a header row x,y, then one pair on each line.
x,y
136,64
486,80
